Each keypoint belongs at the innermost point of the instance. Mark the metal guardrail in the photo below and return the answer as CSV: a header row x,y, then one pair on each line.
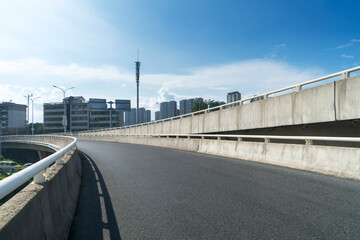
x,y
297,87
308,140
35,171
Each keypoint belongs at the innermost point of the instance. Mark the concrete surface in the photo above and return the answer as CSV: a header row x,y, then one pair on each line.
x,y
141,192
44,211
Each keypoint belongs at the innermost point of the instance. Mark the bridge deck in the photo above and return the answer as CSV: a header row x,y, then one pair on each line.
x,y
141,192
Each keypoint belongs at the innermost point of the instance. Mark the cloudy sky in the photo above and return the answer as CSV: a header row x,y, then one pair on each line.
x,y
187,48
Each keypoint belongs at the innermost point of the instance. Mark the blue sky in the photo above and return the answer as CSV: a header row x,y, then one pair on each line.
x,y
187,48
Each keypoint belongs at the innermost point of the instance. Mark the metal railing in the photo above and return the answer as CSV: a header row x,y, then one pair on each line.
x,y
36,170
308,140
297,87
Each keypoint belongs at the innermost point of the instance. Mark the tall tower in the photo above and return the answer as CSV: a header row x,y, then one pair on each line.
x,y
137,63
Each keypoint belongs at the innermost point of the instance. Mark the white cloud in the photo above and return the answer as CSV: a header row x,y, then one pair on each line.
x,y
280,45
41,27
256,74
35,68
277,52
350,43
25,76
347,56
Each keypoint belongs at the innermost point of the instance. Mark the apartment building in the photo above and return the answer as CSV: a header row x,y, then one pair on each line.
x,y
81,115
13,118
187,104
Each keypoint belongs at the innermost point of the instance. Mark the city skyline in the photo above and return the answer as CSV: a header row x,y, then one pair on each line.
x,y
187,49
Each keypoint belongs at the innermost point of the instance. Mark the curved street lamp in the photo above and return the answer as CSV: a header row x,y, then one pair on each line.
x,y
32,110
64,117
28,113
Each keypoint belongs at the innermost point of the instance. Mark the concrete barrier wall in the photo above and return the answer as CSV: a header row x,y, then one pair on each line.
x,y
339,161
56,140
325,103
44,211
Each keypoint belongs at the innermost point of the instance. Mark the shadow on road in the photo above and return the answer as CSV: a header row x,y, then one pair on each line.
x,y
94,216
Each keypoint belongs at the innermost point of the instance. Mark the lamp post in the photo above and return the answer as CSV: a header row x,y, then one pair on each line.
x,y
28,113
32,110
198,99
64,117
0,136
111,103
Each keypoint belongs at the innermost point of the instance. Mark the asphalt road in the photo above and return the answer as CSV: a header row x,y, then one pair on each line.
x,y
141,192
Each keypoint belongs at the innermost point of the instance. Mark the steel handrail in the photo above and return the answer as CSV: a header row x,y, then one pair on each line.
x,y
14,181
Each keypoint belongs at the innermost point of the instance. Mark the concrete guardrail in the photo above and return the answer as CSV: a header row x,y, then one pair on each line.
x,y
317,154
45,208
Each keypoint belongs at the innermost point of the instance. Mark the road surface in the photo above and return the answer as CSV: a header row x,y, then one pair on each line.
x,y
141,192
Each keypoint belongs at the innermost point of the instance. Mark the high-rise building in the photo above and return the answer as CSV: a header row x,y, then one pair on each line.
x,y
172,109
141,118
164,110
13,118
79,119
157,115
233,97
147,116
144,116
187,104
168,109
130,117
81,115
53,117
183,106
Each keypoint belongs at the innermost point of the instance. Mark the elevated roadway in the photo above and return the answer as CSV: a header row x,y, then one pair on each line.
x,y
141,192
323,106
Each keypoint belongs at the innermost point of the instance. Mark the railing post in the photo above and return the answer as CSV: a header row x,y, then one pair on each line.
x,y
298,88
308,142
60,161
39,178
345,75
239,139
218,138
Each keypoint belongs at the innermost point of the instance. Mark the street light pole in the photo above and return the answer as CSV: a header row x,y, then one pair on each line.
x,y
28,113
64,117
32,110
198,99
111,103
0,137
199,118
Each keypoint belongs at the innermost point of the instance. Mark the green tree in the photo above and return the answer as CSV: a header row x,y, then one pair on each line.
x,y
201,105
212,103
38,128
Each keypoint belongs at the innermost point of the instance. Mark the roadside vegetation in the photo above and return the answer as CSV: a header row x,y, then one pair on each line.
x,y
4,173
205,104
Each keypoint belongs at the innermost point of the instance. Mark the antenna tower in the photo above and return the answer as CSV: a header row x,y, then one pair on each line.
x,y
137,64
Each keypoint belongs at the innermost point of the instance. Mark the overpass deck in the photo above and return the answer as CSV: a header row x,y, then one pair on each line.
x,y
141,192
